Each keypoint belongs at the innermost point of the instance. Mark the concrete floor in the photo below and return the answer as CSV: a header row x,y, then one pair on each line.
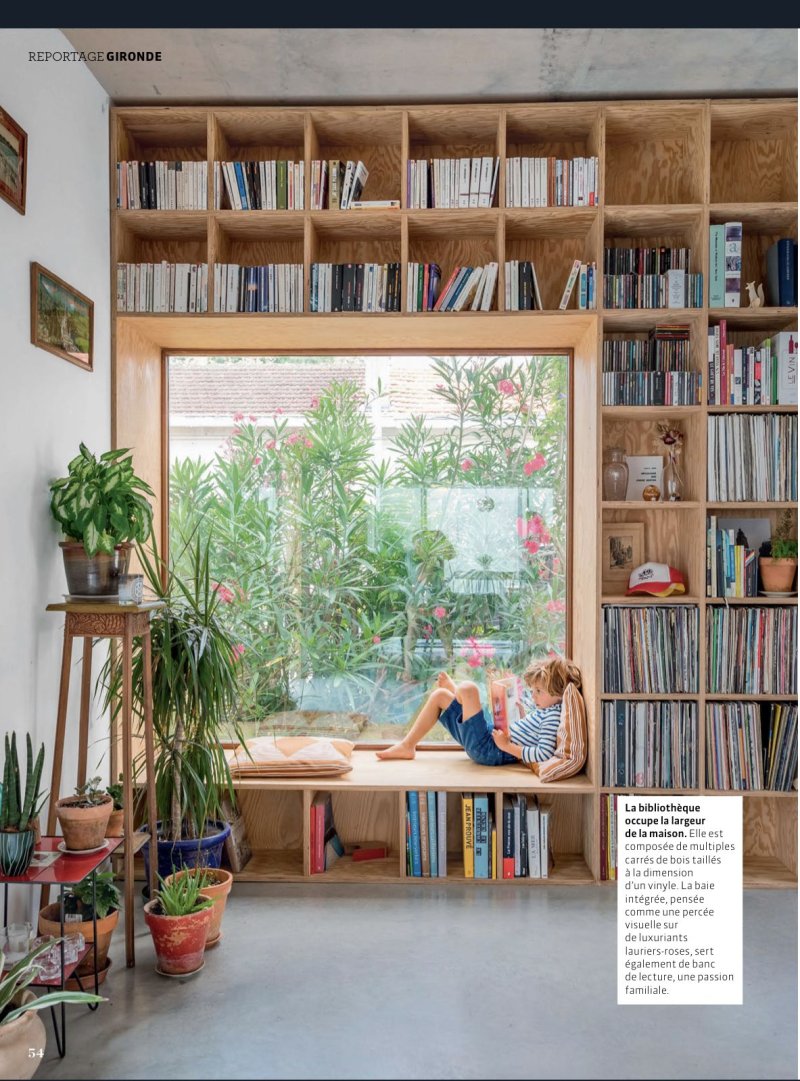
x,y
444,982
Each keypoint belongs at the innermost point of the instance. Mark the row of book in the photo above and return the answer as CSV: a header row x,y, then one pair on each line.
x,y
672,289
731,565
522,286
336,185
651,371
274,287
725,265
752,375
650,744
423,284
608,836
468,286
752,457
355,287
162,287
650,650
551,181
781,262
162,185
738,756
448,183
262,185
751,650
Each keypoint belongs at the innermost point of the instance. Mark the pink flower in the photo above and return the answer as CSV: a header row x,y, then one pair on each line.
x,y
440,386
522,527
488,649
467,464
534,464
376,639
555,606
314,403
474,661
532,546
237,431
293,438
505,386
427,630
556,564
308,443
237,417
545,537
278,410
439,612
271,445
224,594
238,650
257,460
251,417
543,571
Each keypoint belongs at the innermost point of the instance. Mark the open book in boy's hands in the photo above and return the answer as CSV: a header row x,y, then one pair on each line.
x,y
505,696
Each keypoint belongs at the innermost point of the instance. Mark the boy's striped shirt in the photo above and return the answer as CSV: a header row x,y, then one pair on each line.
x,y
536,733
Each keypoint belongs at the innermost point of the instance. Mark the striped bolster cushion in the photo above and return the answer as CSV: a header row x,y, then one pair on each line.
x,y
572,739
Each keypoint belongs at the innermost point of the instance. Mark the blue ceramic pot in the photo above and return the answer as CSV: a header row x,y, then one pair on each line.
x,y
173,855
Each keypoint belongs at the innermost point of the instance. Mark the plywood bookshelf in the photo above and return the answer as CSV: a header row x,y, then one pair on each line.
x,y
668,170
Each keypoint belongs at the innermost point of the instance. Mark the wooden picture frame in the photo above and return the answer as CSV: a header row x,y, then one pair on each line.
x,y
623,551
62,319
13,162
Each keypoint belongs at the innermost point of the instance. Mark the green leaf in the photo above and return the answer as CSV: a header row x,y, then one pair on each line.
x,y
91,539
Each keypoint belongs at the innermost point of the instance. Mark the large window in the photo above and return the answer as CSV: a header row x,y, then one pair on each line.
x,y
373,520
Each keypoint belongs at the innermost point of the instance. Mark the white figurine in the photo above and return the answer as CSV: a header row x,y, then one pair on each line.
x,y
756,298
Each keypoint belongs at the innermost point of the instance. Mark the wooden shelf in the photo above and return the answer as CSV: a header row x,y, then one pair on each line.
x,y
761,319
276,865
641,412
767,873
681,598
755,601
643,505
766,505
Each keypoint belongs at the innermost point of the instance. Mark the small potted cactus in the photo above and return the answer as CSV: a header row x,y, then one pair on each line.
x,y
18,816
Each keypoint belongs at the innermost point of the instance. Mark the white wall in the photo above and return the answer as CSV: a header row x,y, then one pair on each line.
x,y
47,405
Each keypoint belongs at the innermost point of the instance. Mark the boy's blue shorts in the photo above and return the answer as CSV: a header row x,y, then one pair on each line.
x,y
475,736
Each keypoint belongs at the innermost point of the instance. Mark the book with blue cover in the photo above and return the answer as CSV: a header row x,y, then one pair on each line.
x,y
482,835
416,849
432,831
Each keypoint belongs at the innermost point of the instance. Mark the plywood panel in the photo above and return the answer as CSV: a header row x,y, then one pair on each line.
x,y
770,829
274,818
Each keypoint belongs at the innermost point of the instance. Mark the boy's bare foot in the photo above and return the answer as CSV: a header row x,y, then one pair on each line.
x,y
444,680
399,750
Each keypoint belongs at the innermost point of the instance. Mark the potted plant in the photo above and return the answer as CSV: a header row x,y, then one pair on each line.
x,y
83,817
114,827
778,557
101,507
216,883
78,899
193,683
178,918
17,817
21,1027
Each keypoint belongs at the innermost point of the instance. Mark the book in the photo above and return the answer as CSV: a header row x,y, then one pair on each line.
x,y
493,846
517,826
504,697
716,258
544,842
643,470
468,834
676,286
781,267
360,177
534,858
441,834
416,850
572,277
433,848
482,835
785,352
375,204
733,264
424,835
508,838
367,850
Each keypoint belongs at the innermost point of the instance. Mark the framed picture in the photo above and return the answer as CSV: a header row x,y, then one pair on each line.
x,y
623,552
13,162
62,319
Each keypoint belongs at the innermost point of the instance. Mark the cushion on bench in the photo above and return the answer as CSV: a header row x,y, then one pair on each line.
x,y
291,756
572,739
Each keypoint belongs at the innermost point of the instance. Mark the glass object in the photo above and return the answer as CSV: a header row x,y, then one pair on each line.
x,y
615,476
17,941
672,481
50,960
131,588
73,944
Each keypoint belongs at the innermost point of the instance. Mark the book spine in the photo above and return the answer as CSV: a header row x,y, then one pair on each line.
x,y
441,833
787,273
468,834
481,807
424,836
733,264
416,850
508,838
432,834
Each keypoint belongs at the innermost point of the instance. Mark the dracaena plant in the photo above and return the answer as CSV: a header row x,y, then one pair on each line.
x,y
17,813
101,501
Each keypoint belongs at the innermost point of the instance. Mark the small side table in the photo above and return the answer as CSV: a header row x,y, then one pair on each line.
x,y
54,869
95,619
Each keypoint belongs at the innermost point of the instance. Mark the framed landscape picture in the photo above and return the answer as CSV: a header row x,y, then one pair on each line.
x,y
623,552
13,162
62,319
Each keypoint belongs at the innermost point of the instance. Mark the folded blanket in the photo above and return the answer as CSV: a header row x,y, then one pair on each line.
x,y
287,756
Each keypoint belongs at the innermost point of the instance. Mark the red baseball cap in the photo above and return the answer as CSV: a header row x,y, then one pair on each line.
x,y
659,579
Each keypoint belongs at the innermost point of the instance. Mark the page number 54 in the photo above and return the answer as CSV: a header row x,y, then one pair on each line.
x,y
35,1052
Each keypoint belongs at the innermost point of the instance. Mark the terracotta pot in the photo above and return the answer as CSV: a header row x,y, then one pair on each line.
x,y
777,575
15,1039
88,985
114,827
49,925
218,894
97,576
180,941
83,827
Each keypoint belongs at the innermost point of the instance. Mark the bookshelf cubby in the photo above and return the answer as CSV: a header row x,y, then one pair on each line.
x,y
667,171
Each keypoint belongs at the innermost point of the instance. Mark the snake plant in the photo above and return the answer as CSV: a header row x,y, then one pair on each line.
x,y
15,813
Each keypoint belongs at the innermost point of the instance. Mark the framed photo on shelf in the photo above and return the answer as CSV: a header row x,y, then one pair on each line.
x,y
13,162
62,319
623,552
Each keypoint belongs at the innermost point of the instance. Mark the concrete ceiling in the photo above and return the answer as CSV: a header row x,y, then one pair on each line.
x,y
427,65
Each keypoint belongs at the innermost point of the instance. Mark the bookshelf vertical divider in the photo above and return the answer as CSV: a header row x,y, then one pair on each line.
x,y
667,171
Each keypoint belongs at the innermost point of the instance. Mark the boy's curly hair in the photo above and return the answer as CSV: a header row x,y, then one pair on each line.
x,y
553,675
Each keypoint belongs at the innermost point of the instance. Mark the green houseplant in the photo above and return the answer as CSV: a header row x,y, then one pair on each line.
x,y
17,815
178,918
115,826
194,671
83,817
101,506
20,1026
78,899
778,557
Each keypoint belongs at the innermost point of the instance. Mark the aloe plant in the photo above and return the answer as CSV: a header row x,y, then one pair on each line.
x,y
23,973
101,501
182,896
15,813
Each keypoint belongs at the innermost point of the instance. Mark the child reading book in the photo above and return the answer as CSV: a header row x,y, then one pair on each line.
x,y
531,738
